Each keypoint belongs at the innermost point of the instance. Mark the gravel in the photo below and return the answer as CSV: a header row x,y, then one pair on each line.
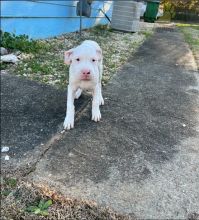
x,y
48,65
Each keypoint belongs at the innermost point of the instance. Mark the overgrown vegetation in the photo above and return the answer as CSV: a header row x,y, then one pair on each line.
x,y
45,63
172,7
21,43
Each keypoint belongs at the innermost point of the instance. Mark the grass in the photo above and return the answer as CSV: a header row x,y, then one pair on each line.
x,y
146,33
191,34
196,26
45,63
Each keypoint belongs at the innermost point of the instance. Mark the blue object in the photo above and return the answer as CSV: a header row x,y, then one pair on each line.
x,y
42,19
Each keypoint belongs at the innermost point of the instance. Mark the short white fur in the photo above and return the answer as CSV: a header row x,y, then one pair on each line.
x,y
85,73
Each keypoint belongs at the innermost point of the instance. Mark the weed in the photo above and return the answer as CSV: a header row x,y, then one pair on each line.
x,y
20,42
41,208
101,30
38,67
11,182
7,185
146,33
4,66
5,192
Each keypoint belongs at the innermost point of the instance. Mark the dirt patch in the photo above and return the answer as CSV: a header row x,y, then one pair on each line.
x,y
26,195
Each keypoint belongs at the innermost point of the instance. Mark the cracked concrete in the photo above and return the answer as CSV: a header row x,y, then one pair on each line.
x,y
31,115
142,158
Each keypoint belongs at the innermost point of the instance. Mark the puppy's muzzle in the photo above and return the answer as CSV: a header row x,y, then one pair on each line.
x,y
85,75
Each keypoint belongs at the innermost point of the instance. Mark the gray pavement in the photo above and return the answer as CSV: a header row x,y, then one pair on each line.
x,y
31,114
142,158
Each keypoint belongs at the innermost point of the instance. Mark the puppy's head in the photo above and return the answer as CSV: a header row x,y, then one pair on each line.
x,y
84,62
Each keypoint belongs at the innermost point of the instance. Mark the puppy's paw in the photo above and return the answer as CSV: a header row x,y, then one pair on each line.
x,y
78,93
96,115
68,123
101,101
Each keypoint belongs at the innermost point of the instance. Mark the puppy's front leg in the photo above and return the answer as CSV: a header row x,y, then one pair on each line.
x,y
101,100
70,112
96,115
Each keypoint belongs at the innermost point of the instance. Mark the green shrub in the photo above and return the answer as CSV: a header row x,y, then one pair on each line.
x,y
20,42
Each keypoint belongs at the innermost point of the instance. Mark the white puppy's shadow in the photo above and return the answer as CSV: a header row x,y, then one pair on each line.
x,y
82,101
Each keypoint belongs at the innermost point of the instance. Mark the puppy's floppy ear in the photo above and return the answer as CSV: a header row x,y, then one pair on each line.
x,y
99,54
67,56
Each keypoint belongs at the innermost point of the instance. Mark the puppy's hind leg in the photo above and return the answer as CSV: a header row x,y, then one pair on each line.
x,y
78,93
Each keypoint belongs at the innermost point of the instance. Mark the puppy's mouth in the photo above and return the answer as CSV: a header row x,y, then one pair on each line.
x,y
85,78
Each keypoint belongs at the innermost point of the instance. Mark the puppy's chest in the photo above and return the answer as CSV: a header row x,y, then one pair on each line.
x,y
89,86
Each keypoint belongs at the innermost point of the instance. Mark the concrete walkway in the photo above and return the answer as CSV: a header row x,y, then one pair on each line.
x,y
31,114
142,158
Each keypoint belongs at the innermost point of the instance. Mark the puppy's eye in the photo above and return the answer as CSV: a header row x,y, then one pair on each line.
x,y
93,60
78,59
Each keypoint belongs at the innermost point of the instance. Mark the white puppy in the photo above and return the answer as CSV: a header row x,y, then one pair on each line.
x,y
85,73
